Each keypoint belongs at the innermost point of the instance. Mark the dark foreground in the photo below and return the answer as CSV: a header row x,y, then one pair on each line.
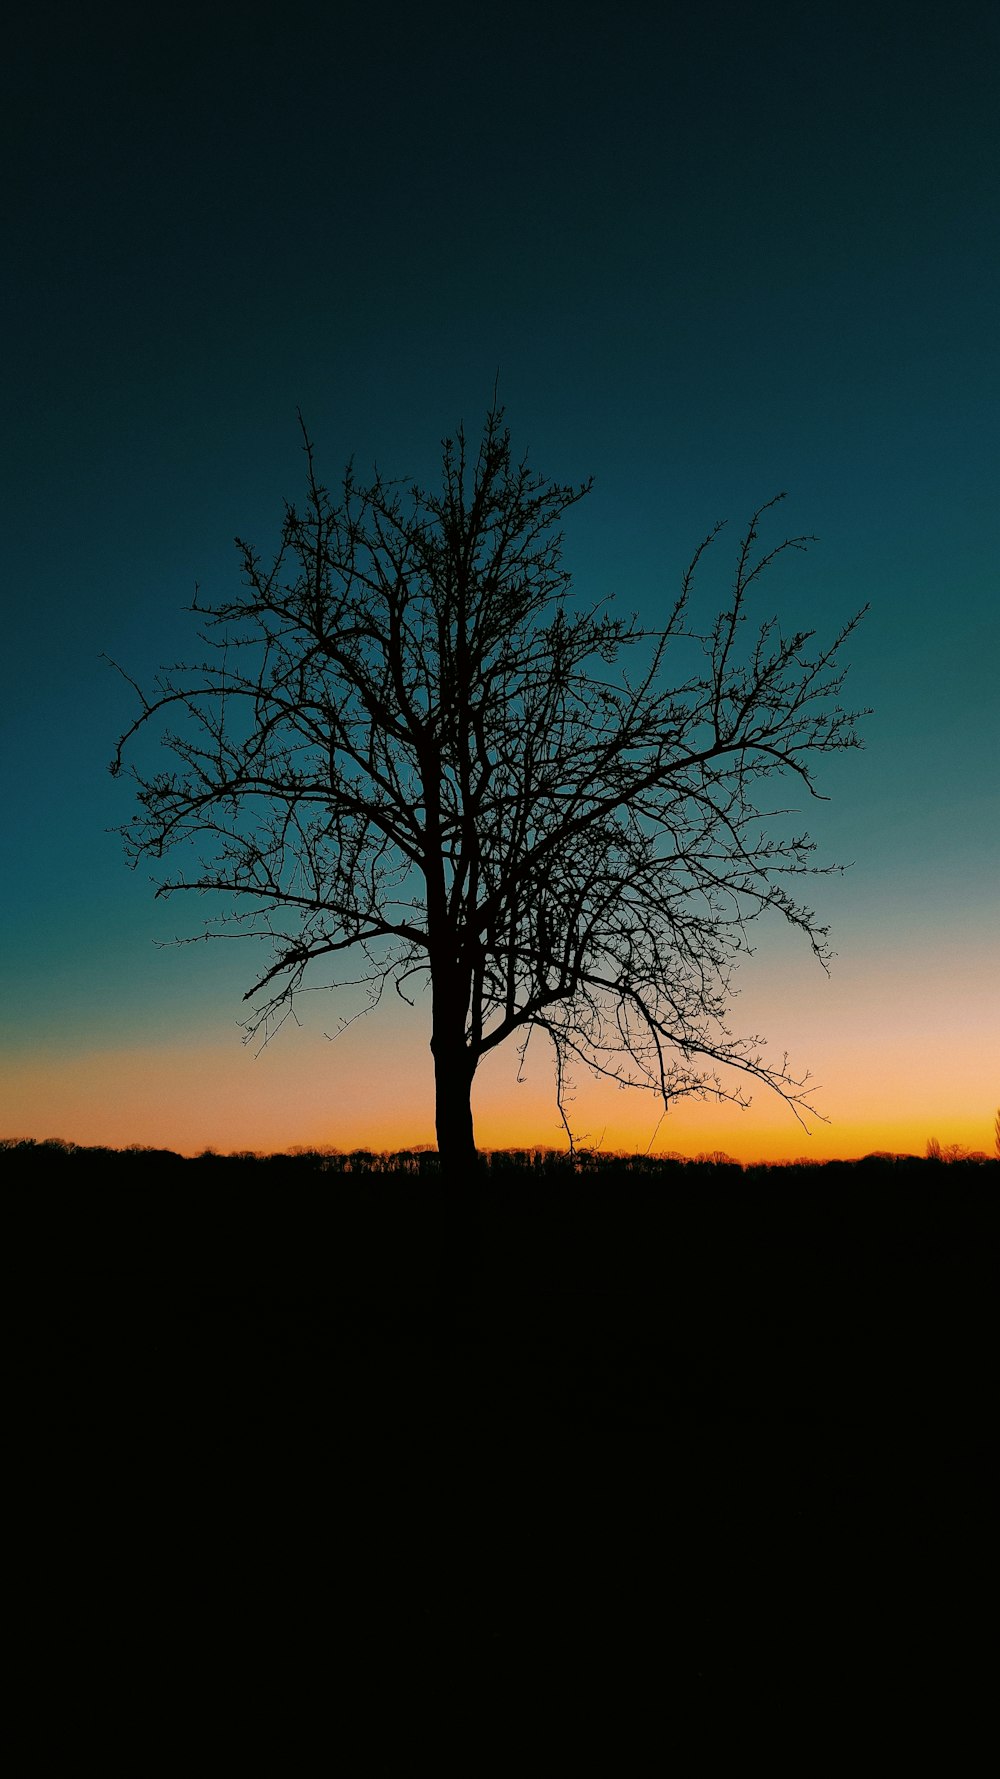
x,y
696,1426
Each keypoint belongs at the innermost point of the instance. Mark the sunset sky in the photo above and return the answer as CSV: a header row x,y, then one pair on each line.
x,y
713,252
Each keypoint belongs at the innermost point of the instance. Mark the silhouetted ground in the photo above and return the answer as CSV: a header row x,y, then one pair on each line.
x,y
702,1421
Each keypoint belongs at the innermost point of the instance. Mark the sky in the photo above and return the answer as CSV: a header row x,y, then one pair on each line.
x,y
710,253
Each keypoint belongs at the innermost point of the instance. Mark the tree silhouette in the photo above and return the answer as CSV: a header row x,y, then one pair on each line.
x,y
407,743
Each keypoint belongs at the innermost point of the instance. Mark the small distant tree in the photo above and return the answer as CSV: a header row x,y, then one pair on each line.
x,y
405,742
949,1151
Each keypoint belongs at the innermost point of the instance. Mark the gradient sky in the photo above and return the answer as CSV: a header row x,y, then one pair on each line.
x,y
713,252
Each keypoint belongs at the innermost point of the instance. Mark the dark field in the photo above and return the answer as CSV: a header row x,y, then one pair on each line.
x,y
694,1422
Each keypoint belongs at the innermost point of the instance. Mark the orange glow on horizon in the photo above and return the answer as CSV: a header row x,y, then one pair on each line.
x,y
898,1057
222,1098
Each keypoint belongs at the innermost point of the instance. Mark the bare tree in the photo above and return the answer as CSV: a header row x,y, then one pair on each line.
x,y
407,743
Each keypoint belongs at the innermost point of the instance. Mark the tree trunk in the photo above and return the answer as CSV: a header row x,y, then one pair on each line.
x,y
460,1247
453,1112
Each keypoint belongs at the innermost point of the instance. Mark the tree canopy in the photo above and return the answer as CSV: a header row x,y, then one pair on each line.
x,y
407,742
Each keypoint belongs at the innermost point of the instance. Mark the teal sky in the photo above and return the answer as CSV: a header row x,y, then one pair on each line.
x,y
712,252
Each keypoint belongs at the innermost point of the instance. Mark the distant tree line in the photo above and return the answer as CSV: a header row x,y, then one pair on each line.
x,y
421,1162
